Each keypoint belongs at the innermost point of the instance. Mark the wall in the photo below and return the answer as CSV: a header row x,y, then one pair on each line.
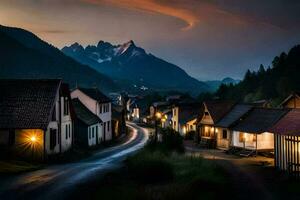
x,y
66,127
293,103
90,103
175,113
264,140
223,143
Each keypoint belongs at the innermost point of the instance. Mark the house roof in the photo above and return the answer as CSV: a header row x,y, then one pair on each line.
x,y
95,94
189,112
27,103
288,124
259,120
234,115
84,114
294,94
217,109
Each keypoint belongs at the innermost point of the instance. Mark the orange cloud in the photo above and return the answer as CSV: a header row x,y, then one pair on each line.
x,y
154,7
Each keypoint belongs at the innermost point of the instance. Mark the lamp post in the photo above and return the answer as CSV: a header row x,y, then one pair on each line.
x,y
157,118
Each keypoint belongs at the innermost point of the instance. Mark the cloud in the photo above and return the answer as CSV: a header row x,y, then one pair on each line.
x,y
154,7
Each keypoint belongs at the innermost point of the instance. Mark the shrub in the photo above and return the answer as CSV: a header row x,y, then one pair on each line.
x,y
150,168
172,140
190,135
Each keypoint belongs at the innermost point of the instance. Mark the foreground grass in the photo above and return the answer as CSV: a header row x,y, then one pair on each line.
x,y
155,175
15,167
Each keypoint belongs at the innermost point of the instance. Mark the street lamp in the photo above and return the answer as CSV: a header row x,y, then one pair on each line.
x,y
157,118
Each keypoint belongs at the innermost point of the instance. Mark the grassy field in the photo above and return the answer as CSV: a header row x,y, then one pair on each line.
x,y
156,174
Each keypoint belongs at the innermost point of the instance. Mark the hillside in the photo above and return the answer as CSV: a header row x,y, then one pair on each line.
x,y
274,83
24,55
131,64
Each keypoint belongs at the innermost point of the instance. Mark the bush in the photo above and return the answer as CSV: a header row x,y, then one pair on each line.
x,y
190,135
150,168
172,140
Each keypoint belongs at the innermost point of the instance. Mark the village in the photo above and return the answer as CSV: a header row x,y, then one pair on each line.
x,y
41,118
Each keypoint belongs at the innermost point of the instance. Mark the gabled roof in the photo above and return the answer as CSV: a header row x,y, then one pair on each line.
x,y
84,114
95,94
288,124
27,103
259,120
217,109
294,94
188,112
234,115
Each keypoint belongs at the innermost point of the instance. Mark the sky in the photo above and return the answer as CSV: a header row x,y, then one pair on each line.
x,y
209,39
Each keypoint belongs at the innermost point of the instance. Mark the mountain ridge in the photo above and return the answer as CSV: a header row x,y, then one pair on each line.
x,y
130,62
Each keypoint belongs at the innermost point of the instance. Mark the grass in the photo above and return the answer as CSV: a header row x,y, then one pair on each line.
x,y
159,175
15,167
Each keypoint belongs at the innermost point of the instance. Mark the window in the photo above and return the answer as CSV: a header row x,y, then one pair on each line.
x,y
242,137
69,130
100,108
89,131
66,106
54,114
108,126
206,113
52,138
104,127
97,131
174,125
191,127
67,127
93,134
224,135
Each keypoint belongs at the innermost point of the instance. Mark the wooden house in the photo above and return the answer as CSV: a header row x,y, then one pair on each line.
x,y
99,104
87,126
224,125
252,130
287,142
213,111
292,101
35,117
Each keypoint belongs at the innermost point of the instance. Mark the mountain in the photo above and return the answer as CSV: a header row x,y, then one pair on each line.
x,y
273,83
24,55
215,84
131,64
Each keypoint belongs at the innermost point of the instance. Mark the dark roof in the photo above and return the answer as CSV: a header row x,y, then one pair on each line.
x,y
288,124
27,103
218,109
293,95
95,94
189,112
259,120
84,114
234,115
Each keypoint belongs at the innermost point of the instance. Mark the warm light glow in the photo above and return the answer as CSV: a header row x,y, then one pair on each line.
x,y
158,115
33,139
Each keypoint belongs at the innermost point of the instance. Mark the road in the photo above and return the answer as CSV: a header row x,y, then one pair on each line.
x,y
58,181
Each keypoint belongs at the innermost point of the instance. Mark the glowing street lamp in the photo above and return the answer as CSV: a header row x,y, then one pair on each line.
x,y
33,139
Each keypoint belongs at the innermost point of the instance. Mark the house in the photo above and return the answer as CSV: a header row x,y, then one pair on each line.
x,y
252,131
97,103
224,125
88,130
118,121
166,121
35,117
292,101
213,112
287,142
184,117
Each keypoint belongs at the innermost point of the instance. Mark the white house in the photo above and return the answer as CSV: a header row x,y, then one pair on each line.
x,y
88,129
97,103
252,131
35,117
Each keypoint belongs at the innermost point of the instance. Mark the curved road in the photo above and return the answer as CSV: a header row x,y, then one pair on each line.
x,y
58,181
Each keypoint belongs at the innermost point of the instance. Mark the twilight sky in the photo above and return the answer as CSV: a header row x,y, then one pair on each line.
x,y
210,39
